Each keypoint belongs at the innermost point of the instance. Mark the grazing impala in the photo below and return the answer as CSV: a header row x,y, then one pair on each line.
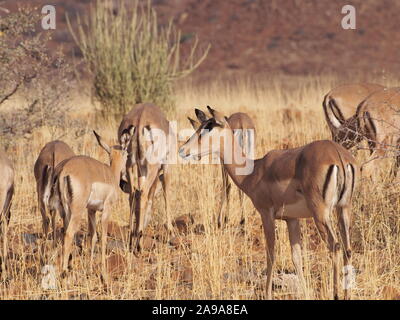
x,y
82,183
379,121
49,157
340,106
148,151
244,129
6,194
309,181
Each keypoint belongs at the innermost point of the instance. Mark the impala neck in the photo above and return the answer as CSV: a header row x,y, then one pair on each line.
x,y
116,168
236,163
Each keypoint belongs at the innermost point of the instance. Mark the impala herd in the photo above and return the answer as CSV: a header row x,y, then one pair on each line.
x,y
309,181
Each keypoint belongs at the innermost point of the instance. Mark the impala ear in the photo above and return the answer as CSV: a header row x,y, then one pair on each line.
x,y
219,118
102,143
211,111
194,123
201,116
126,136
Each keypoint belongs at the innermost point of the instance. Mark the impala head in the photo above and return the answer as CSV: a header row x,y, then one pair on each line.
x,y
207,136
345,131
348,134
119,153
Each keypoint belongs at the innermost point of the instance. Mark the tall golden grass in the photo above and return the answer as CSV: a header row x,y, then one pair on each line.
x,y
205,262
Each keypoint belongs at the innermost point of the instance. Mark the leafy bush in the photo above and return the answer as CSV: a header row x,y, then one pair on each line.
x,y
131,58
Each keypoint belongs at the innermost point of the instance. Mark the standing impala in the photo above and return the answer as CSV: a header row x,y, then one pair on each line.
x,y
244,129
6,194
49,157
340,106
309,181
84,184
379,122
148,151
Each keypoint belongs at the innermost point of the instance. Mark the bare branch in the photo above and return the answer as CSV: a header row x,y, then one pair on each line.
x,y
7,96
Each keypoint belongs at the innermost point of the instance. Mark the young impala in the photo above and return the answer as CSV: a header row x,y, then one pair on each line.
x,y
6,194
84,184
147,151
49,157
244,129
309,181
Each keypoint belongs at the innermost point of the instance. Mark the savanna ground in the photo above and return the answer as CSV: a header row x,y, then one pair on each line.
x,y
201,261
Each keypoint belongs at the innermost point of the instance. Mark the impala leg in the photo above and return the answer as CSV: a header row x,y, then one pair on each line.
x,y
294,230
70,231
142,203
132,204
268,221
53,225
4,221
324,225
4,253
226,187
345,227
92,236
165,182
104,226
45,219
147,215
242,219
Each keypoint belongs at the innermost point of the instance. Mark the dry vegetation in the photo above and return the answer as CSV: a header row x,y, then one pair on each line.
x,y
202,262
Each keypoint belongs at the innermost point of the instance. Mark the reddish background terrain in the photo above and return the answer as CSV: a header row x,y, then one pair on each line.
x,y
267,36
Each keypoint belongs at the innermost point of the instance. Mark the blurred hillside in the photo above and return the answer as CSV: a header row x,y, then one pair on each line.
x,y
296,37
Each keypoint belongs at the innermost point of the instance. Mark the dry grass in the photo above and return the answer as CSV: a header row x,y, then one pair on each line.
x,y
213,264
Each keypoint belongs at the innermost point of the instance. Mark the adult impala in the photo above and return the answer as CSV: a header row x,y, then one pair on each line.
x,y
49,157
244,129
340,106
379,122
148,151
84,184
309,181
6,194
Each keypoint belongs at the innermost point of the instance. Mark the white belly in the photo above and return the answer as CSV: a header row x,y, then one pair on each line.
x,y
297,209
99,194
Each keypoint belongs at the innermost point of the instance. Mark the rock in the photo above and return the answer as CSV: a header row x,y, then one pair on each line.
x,y
116,231
149,243
49,279
30,239
390,293
115,245
182,223
199,229
178,242
187,275
288,282
116,265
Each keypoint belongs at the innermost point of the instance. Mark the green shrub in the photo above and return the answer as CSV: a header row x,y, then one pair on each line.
x,y
130,57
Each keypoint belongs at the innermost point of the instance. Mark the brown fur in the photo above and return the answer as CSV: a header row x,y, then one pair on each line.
x,y
49,157
6,194
340,106
379,121
288,185
84,184
143,117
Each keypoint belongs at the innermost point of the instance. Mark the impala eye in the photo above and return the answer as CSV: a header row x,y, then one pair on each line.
x,y
209,126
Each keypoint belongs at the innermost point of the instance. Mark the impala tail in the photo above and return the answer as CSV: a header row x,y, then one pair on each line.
x,y
65,188
339,184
